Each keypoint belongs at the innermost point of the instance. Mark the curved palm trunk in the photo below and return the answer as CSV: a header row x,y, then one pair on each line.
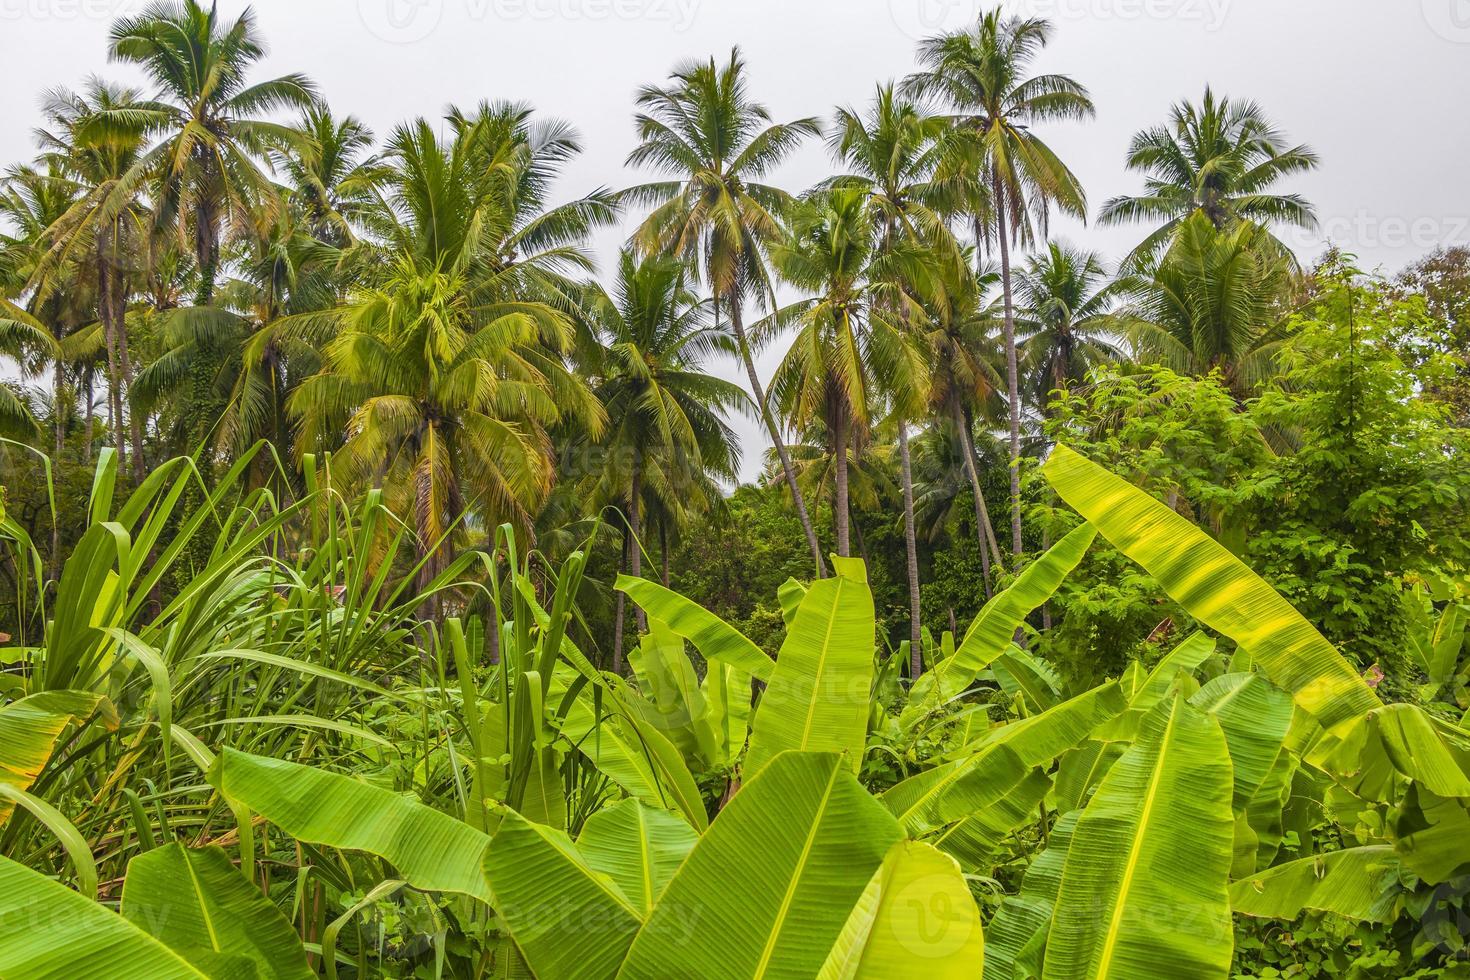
x,y
635,540
911,548
789,470
1013,381
983,530
839,450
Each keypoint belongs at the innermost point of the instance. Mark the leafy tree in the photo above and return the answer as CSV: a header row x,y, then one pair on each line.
x,y
717,144
982,75
1215,301
850,344
207,116
1220,159
1067,329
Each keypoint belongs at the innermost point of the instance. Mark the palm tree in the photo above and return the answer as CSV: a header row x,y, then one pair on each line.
x,y
850,344
665,414
31,325
957,327
330,173
104,229
893,153
1066,329
443,375
1213,302
981,74
1221,159
207,115
716,144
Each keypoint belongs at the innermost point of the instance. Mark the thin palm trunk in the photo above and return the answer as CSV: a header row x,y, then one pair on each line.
x,y
105,296
787,468
1013,375
135,433
983,530
635,540
839,450
617,657
663,545
911,549
58,385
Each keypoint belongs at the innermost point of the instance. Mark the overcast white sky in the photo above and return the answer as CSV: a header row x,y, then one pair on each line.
x,y
1377,87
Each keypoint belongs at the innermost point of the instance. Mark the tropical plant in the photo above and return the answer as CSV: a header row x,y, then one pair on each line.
x,y
1220,159
717,144
205,168
981,75
1066,327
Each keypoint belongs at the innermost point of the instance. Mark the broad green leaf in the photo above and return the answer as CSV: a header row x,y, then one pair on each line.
x,y
431,850
1020,673
995,626
1185,658
639,847
195,901
817,699
52,933
715,639
1397,740
636,757
1144,887
1041,738
1359,883
1079,770
768,888
671,692
975,839
29,729
1255,716
569,920
1430,834
1016,940
1216,588
915,916
922,802
727,693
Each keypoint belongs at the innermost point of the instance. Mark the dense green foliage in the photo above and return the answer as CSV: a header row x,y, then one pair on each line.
x,y
375,600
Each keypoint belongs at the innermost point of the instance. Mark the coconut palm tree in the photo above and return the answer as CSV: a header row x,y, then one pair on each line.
x,y
106,227
665,413
894,152
443,376
716,144
330,173
207,116
981,74
850,343
1066,328
957,327
1215,301
1221,159
31,325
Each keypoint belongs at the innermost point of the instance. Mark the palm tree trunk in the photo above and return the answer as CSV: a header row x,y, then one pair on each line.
x,y
635,540
911,548
58,383
983,530
105,295
759,392
90,394
839,452
120,309
663,547
1013,380
617,657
